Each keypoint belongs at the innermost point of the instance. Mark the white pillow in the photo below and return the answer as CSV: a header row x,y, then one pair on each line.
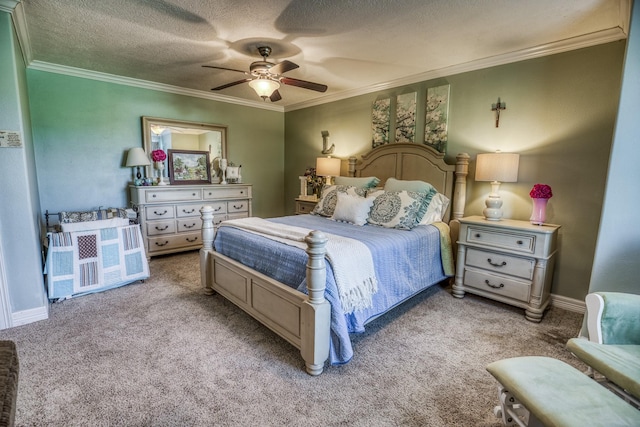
x,y
328,198
435,211
93,225
352,209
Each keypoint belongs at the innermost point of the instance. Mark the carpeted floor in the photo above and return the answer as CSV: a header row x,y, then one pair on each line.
x,y
161,353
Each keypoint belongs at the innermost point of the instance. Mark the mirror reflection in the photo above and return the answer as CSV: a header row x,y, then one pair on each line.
x,y
167,134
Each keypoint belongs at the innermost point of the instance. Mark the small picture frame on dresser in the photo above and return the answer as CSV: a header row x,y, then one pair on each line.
x,y
189,167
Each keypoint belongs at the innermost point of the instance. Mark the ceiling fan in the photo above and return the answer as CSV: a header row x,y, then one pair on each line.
x,y
265,77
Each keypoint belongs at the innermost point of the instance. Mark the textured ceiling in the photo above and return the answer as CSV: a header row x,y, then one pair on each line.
x,y
350,46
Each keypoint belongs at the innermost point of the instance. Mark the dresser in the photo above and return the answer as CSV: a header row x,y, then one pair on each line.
x,y
509,261
304,206
170,215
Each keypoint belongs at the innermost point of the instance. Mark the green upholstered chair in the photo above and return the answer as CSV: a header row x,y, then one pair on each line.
x,y
612,350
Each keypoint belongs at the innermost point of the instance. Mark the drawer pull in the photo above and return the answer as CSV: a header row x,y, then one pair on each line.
x,y
153,195
166,242
160,213
189,226
188,212
193,194
495,264
162,229
217,209
238,207
501,285
477,235
519,242
192,240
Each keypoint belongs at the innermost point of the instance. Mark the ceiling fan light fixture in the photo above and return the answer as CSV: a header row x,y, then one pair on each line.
x,y
264,87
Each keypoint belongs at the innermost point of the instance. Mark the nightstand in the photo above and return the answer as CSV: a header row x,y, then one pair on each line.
x,y
509,261
304,206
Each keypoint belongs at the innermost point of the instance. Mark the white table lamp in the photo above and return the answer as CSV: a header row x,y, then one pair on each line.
x,y
327,167
136,157
497,168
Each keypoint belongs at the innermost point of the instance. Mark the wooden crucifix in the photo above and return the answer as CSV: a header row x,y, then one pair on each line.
x,y
497,107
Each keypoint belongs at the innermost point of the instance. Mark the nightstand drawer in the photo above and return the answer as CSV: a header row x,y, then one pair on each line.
x,y
159,212
303,207
501,263
497,285
515,241
189,224
155,228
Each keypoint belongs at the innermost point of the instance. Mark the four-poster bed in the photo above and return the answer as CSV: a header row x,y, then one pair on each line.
x,y
304,316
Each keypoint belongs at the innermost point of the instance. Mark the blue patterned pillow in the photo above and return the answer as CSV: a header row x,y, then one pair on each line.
x,y
399,209
329,197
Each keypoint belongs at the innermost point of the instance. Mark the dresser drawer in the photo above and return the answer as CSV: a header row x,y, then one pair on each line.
x,y
155,228
237,206
189,224
502,239
219,208
176,195
230,192
181,240
501,263
188,210
234,216
497,284
158,212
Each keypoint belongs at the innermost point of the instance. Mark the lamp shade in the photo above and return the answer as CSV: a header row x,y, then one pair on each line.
x,y
327,166
137,157
500,167
264,87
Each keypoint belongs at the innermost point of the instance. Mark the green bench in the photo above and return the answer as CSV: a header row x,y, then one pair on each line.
x,y
542,391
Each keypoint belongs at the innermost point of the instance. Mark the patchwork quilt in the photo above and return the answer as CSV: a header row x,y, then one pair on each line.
x,y
82,262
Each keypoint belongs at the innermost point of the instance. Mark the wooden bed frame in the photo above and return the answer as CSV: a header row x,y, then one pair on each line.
x,y
304,320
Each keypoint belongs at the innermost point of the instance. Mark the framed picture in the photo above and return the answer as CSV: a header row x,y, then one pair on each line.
x,y
189,167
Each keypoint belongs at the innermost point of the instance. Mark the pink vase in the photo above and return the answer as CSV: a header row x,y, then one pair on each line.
x,y
539,211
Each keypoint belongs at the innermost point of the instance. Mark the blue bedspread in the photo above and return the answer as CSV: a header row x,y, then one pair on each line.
x,y
406,262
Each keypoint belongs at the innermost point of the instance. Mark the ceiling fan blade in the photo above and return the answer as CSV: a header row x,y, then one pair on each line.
x,y
275,96
227,69
231,84
283,67
304,84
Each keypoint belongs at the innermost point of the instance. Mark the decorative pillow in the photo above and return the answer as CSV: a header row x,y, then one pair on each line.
x,y
327,203
398,209
435,211
364,182
352,209
393,184
82,216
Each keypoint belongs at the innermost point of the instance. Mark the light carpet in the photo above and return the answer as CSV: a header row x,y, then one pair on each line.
x,y
161,353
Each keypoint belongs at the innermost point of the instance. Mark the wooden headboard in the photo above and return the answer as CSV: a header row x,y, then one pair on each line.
x,y
417,162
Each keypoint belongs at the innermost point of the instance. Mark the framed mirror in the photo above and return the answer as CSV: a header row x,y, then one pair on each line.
x,y
169,134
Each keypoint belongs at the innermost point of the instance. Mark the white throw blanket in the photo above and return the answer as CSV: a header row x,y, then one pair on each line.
x,y
351,260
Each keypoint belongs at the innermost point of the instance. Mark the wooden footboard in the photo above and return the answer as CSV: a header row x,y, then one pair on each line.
x,y
303,320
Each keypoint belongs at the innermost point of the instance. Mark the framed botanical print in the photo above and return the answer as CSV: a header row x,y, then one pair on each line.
x,y
189,167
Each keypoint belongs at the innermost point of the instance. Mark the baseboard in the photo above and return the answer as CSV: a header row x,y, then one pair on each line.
x,y
568,304
29,316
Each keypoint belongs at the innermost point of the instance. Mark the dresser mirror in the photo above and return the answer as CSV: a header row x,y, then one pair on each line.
x,y
169,134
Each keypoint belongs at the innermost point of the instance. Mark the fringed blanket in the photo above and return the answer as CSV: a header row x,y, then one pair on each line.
x,y
94,260
351,260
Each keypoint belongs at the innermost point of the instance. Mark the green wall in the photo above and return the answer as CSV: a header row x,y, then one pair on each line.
x,y
82,129
560,116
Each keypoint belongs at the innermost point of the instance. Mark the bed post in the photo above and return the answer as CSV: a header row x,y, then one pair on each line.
x,y
459,198
206,264
316,310
352,166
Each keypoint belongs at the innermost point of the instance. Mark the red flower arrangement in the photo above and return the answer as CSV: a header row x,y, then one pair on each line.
x,y
541,191
158,156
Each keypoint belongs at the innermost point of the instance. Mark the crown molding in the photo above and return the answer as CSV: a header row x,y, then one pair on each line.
x,y
587,40
8,5
145,84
